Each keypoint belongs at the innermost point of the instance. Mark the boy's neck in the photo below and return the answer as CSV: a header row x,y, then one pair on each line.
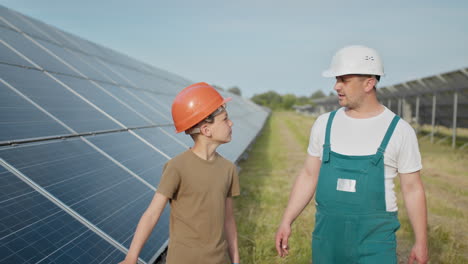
x,y
205,150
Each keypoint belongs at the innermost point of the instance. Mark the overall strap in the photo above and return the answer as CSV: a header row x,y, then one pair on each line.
x,y
326,145
385,140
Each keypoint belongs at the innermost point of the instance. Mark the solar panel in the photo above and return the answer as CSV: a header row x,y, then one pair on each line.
x,y
84,134
406,95
20,119
34,229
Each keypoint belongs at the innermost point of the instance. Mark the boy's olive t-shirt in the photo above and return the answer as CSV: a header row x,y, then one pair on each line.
x,y
197,190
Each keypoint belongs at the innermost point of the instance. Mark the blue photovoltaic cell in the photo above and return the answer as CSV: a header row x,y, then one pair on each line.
x,y
18,21
104,101
56,99
133,154
110,66
34,229
34,52
146,80
162,99
48,32
130,97
19,119
120,59
186,139
159,101
77,43
9,56
90,184
110,75
161,141
76,62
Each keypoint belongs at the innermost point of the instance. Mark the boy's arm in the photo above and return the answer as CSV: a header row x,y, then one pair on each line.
x,y
302,192
146,224
231,231
415,202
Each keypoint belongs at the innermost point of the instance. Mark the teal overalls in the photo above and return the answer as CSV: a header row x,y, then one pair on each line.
x,y
351,222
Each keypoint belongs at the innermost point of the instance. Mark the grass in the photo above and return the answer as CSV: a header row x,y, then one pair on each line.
x,y
266,180
274,161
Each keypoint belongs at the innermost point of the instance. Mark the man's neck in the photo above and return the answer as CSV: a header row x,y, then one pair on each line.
x,y
365,111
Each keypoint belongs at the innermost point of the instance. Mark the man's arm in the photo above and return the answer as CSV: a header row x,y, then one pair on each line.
x,y
415,202
231,231
147,222
302,192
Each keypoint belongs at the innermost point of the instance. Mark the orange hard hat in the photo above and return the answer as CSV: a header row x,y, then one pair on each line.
x,y
194,103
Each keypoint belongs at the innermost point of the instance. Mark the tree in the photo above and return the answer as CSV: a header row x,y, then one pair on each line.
x,y
217,87
269,99
317,94
288,101
235,90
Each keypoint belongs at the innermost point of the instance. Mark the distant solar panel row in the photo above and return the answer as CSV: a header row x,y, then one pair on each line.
x,y
84,134
420,94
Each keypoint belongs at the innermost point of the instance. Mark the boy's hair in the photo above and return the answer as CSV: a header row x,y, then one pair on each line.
x,y
209,119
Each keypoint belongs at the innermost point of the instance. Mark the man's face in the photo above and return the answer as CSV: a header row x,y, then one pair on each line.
x,y
351,90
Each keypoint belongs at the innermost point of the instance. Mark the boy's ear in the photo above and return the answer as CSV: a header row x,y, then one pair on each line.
x,y
205,130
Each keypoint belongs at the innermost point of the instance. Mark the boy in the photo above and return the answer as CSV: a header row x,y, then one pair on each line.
x,y
199,184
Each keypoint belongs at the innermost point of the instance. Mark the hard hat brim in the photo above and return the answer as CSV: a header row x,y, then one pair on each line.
x,y
227,100
328,74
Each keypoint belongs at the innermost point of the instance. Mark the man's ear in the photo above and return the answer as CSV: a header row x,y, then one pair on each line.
x,y
370,83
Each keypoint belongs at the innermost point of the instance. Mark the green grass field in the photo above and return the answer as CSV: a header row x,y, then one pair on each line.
x,y
273,163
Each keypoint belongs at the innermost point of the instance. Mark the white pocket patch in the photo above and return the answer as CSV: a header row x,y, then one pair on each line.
x,y
346,185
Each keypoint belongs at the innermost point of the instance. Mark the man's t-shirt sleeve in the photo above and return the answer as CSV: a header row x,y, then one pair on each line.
x,y
170,182
316,137
409,158
234,189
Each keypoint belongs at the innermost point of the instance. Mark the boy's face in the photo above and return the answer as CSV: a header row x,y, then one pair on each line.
x,y
221,128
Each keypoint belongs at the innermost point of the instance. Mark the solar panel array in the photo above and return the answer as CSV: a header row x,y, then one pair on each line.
x,y
84,134
416,99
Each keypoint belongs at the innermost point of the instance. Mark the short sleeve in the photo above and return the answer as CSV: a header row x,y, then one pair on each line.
x,y
316,137
409,158
170,182
234,189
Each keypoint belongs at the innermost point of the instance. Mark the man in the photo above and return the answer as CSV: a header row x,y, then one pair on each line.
x,y
355,153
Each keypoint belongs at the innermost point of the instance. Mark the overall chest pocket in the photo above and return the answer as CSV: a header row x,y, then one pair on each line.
x,y
350,185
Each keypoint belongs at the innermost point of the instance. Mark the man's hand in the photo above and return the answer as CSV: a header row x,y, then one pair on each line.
x,y
418,253
282,236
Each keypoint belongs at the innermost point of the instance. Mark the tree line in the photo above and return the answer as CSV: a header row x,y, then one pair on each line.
x,y
276,101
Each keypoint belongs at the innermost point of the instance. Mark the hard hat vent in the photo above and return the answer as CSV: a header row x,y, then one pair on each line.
x,y
355,60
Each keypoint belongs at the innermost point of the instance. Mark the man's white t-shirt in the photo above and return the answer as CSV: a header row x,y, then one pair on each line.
x,y
358,137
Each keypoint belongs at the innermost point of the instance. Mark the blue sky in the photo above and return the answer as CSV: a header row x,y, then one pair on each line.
x,y
261,45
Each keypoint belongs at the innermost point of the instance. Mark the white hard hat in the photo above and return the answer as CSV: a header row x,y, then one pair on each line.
x,y
355,60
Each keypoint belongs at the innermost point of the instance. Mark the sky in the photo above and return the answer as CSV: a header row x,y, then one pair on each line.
x,y
264,45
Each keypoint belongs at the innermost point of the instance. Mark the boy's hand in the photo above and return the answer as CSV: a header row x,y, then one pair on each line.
x,y
125,261
282,236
